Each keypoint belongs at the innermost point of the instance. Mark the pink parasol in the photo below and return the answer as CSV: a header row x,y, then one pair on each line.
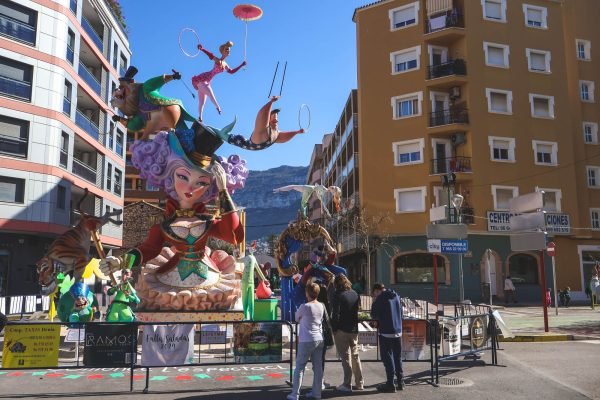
x,y
247,12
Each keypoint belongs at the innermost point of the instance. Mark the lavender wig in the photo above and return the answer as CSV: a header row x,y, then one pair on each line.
x,y
157,163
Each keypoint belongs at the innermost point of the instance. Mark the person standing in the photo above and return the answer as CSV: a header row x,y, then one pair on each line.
x,y
344,322
509,290
309,317
387,311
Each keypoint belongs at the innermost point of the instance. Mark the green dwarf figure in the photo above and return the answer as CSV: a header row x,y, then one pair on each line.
x,y
145,108
121,308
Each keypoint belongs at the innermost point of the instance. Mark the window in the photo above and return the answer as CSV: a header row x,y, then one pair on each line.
x,y
595,218
123,65
590,132
408,152
15,79
14,137
523,268
61,197
538,60
70,46
502,149
408,105
18,22
128,184
545,152
494,10
418,268
67,93
109,177
118,176
119,147
115,56
405,60
410,199
64,149
496,55
110,141
535,17
584,49
541,106
139,184
499,101
405,16
586,89
12,190
593,175
552,199
502,195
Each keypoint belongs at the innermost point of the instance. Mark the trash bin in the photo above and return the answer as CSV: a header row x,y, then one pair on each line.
x,y
265,309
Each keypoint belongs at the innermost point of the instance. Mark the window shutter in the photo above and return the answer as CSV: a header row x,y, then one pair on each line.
x,y
495,55
410,201
534,17
499,102
404,15
405,57
493,9
541,107
537,61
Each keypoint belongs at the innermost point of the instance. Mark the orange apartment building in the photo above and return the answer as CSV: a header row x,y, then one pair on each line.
x,y
501,93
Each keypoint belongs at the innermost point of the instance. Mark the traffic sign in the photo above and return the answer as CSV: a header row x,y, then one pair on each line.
x,y
551,249
447,246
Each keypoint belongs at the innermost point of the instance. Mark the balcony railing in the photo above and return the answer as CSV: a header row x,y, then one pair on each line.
x,y
14,88
452,67
87,26
70,55
90,79
467,215
64,158
84,123
17,30
451,116
67,106
452,19
450,164
84,171
14,146
73,6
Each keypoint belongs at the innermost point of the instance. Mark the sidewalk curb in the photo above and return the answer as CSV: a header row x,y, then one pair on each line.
x,y
542,337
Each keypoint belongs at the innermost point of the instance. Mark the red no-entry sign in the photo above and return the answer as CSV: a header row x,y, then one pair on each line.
x,y
551,248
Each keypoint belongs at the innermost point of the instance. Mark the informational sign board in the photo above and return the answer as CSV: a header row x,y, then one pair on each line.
x,y
212,334
366,334
75,335
451,336
31,345
556,223
447,246
478,330
257,342
168,344
414,339
109,345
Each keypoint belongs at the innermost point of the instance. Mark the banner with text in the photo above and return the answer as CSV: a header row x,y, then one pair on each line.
x,y
556,223
257,342
30,345
414,339
168,345
109,345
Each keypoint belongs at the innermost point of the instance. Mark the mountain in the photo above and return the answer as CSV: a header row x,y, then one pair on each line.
x,y
268,213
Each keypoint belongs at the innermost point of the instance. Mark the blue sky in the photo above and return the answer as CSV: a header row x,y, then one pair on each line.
x,y
316,38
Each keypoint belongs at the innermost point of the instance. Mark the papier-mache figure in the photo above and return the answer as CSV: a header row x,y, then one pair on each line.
x,y
178,271
318,190
145,108
126,299
78,305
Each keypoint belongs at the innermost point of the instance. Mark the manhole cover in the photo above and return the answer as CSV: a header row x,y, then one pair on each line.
x,y
455,382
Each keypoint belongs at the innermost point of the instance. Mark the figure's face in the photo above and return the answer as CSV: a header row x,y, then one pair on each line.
x,y
190,184
225,51
119,95
274,120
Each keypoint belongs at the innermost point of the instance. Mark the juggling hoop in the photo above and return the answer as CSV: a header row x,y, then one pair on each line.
x,y
304,107
181,46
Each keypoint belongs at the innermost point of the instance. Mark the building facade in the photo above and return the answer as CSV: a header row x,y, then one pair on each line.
x,y
59,63
488,99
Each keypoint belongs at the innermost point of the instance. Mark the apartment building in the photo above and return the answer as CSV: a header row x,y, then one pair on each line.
x,y
59,62
489,99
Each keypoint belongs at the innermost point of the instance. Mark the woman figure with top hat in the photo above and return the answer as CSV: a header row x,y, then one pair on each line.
x,y
178,272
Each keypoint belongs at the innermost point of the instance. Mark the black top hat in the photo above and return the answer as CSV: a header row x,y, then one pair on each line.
x,y
129,74
206,143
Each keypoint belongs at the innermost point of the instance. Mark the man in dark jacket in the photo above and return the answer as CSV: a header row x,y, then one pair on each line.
x,y
344,322
387,310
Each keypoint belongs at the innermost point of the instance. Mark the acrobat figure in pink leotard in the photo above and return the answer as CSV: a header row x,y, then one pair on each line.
x,y
201,82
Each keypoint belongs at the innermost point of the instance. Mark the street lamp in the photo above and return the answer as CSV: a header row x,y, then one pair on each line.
x,y
457,201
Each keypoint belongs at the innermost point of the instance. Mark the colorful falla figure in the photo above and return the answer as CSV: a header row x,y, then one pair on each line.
x,y
178,272
145,108
250,266
78,304
126,299
318,190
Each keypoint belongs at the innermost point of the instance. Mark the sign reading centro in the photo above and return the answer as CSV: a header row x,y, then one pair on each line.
x,y
556,223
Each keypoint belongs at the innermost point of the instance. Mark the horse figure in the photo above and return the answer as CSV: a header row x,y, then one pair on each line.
x,y
71,249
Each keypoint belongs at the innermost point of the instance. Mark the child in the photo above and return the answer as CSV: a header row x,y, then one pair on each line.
x,y
565,297
310,342
548,298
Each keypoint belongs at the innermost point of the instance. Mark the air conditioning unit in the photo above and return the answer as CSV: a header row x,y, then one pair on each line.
x,y
458,138
455,92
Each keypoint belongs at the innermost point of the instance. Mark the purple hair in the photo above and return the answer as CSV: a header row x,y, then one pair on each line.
x,y
157,164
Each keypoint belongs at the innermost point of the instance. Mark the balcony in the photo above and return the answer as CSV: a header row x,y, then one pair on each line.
x,y
467,215
90,79
450,164
17,30
13,88
70,55
13,146
445,28
447,117
64,158
87,27
73,6
84,123
67,106
84,171
452,67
